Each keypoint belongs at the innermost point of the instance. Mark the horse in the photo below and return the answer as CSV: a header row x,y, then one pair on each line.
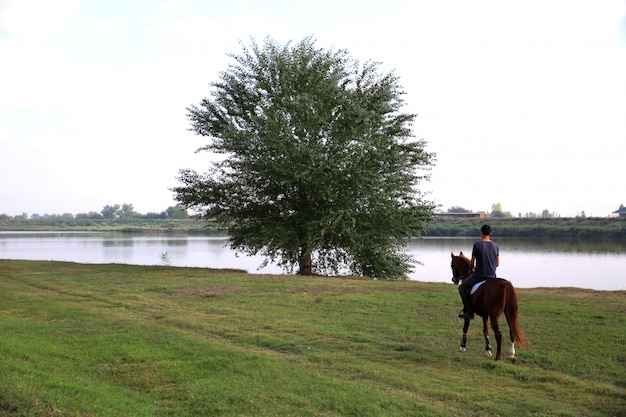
x,y
493,297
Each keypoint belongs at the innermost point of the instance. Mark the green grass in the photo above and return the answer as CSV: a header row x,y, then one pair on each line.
x,y
119,340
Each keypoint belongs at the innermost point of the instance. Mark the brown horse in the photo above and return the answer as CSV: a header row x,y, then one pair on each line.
x,y
493,297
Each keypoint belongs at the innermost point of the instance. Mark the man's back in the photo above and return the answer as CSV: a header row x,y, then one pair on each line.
x,y
486,253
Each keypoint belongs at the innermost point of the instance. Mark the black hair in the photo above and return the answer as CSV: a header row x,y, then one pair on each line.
x,y
486,230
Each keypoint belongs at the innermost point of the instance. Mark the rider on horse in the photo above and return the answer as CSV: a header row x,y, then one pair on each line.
x,y
487,256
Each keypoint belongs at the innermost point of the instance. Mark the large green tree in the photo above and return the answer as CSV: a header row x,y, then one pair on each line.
x,y
319,161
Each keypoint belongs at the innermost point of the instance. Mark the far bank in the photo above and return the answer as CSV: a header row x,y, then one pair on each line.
x,y
573,227
576,227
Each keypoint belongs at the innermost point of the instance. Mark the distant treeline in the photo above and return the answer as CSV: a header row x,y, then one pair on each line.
x,y
110,212
444,227
596,227
125,225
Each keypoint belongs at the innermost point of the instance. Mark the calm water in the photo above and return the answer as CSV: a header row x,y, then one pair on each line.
x,y
595,264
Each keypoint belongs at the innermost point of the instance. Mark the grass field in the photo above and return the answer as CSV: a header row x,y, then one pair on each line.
x,y
120,340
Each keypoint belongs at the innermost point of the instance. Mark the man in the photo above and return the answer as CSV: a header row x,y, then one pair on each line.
x,y
486,255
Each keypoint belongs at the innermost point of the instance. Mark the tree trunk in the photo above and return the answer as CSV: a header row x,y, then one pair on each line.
x,y
306,264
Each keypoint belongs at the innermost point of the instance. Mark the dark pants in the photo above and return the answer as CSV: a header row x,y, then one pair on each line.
x,y
464,289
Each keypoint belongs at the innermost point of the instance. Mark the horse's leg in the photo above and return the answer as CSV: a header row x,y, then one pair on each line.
x,y
486,334
463,346
496,330
512,350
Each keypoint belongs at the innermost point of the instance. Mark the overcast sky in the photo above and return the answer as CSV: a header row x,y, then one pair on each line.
x,y
524,103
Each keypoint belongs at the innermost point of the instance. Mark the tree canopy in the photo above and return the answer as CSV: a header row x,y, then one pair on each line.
x,y
497,211
320,167
458,209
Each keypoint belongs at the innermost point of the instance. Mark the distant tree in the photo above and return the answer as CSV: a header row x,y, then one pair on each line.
x,y
110,212
177,212
90,215
320,162
127,211
458,209
496,211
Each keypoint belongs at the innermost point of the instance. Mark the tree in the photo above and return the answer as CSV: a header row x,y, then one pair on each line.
x,y
458,209
110,212
496,211
127,211
319,161
176,212
90,215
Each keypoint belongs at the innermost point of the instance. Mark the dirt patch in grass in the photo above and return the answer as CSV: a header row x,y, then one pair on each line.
x,y
351,290
208,292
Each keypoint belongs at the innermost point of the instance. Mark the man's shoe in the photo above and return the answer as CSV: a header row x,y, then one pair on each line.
x,y
464,315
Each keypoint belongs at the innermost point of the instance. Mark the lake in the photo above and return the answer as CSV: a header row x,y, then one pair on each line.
x,y
585,263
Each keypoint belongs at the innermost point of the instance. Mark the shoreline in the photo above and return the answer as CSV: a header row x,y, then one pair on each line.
x,y
578,227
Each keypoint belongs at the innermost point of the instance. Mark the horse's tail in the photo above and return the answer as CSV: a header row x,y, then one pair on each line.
x,y
510,311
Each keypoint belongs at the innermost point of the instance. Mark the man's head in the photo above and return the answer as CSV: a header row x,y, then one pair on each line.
x,y
486,230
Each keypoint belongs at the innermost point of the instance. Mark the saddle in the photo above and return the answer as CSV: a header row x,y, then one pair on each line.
x,y
476,287
478,284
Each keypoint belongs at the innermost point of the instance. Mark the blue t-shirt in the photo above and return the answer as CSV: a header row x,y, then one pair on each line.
x,y
485,253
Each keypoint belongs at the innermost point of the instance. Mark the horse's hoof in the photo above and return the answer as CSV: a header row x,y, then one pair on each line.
x,y
512,359
462,349
488,353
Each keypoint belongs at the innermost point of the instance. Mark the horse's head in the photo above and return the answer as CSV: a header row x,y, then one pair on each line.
x,y
460,267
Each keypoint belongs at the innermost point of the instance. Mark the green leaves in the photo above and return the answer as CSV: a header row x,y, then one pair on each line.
x,y
319,160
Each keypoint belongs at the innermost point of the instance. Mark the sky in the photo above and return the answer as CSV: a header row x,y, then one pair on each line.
x,y
524,103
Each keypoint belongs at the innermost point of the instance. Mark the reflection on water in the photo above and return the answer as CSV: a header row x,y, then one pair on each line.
x,y
566,245
587,263
575,245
